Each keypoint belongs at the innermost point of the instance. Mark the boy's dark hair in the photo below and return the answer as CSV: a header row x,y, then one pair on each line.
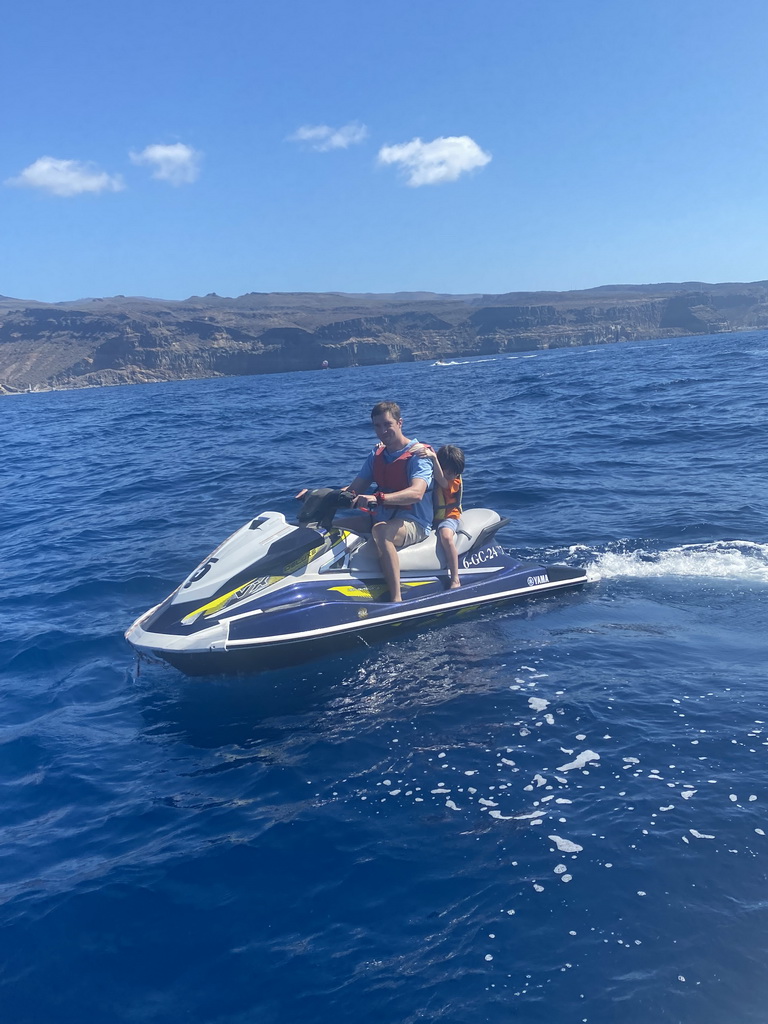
x,y
381,408
451,458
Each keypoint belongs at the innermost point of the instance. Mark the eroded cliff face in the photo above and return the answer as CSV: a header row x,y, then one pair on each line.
x,y
126,341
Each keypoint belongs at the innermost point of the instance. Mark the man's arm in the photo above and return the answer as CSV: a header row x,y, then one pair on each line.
x,y
359,484
364,478
413,493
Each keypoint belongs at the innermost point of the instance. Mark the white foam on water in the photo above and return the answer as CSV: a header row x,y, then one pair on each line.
x,y
582,759
537,703
699,835
565,845
721,559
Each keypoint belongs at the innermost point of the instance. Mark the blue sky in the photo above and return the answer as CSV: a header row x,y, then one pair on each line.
x,y
168,149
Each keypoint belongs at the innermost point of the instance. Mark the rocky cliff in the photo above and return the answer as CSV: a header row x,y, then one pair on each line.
x,y
131,340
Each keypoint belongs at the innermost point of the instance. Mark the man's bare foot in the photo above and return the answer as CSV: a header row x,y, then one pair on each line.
x,y
454,584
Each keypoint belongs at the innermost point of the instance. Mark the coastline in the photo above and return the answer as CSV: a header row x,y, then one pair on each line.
x,y
121,341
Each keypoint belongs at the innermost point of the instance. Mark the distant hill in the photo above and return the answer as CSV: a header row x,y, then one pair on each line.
x,y
127,339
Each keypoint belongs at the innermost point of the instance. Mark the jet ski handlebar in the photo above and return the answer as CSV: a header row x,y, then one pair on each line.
x,y
321,504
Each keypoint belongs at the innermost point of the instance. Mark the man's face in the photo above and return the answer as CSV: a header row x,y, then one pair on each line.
x,y
388,430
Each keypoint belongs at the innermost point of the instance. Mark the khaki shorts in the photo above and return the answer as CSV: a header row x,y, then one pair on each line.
x,y
414,532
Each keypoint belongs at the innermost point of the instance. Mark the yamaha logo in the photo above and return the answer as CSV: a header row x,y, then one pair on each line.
x,y
535,580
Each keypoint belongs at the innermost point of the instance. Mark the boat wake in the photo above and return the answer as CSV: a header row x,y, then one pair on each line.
x,y
721,559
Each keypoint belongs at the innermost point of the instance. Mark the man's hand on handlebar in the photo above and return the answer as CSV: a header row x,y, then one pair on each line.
x,y
366,501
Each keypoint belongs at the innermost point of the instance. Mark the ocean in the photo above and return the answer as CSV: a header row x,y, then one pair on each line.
x,y
553,812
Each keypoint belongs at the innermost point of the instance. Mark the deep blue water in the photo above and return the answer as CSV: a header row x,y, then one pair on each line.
x,y
369,838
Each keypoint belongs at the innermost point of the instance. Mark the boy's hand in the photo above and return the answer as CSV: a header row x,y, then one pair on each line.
x,y
424,451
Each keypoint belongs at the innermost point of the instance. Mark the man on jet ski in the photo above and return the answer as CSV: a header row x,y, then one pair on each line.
x,y
401,509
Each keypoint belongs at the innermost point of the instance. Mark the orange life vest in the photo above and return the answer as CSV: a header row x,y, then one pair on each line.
x,y
448,502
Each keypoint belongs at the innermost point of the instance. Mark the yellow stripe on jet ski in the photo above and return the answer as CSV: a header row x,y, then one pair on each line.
x,y
302,560
221,602
370,593
214,606
375,591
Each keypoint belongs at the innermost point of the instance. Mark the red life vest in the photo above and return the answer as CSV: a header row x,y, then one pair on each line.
x,y
392,476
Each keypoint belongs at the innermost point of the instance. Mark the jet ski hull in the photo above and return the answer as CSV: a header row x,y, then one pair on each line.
x,y
308,626
274,593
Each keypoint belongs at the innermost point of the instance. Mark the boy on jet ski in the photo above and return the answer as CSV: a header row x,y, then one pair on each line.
x,y
401,509
448,465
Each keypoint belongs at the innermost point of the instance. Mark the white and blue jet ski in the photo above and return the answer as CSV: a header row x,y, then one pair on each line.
x,y
277,593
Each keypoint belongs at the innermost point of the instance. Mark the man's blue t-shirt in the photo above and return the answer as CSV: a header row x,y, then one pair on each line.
x,y
421,511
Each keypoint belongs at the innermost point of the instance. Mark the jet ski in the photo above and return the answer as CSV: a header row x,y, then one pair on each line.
x,y
277,593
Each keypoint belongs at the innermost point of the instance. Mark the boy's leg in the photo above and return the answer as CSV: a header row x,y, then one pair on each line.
x,y
448,540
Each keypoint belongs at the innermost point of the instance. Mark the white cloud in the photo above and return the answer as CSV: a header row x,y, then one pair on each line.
x,y
66,177
431,163
177,164
322,137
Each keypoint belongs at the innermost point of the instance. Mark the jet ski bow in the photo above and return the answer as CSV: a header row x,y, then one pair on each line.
x,y
277,593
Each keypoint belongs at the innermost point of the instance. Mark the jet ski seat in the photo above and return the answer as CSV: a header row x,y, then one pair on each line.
x,y
428,555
